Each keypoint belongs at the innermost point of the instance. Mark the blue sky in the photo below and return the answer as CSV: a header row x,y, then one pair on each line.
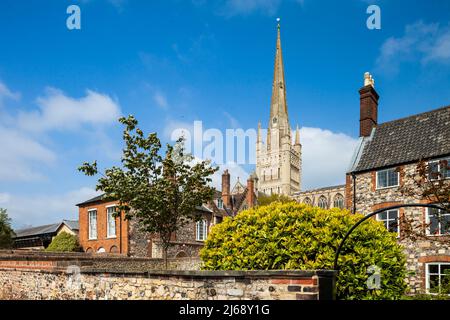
x,y
172,62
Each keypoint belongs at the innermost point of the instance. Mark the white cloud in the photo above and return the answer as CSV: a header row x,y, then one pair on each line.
x,y
4,198
420,42
234,123
160,99
236,171
61,112
326,156
22,151
173,129
37,209
21,156
6,93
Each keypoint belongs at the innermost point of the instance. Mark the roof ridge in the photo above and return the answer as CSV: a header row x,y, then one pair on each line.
x,y
415,115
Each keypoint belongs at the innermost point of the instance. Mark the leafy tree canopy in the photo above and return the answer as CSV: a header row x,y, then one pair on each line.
x,y
161,189
6,231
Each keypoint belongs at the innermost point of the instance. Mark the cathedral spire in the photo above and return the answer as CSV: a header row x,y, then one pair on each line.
x,y
297,136
278,105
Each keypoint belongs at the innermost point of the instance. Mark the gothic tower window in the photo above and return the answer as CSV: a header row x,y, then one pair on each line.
x,y
339,201
322,202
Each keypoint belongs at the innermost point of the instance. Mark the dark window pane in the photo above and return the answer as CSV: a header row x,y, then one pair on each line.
x,y
393,215
392,177
433,216
382,179
393,226
445,223
433,268
445,284
434,284
445,269
382,215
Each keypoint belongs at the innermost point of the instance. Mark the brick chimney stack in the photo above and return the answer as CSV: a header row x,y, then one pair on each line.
x,y
226,196
250,192
368,106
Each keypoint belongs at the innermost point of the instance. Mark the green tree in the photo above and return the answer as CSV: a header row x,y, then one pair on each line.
x,y
297,236
64,242
160,189
6,231
265,200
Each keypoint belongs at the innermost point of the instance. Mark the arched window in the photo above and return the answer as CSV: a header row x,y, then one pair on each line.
x,y
322,202
114,249
89,250
307,201
181,254
339,201
101,250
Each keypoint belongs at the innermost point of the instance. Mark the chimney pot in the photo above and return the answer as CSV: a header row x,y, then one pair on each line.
x,y
368,98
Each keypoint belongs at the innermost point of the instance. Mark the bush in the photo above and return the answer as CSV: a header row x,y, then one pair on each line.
x,y
6,231
64,242
298,236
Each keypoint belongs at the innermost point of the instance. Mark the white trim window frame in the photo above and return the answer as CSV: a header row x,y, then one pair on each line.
x,y
219,203
445,173
388,219
442,217
434,269
387,172
92,224
111,231
201,230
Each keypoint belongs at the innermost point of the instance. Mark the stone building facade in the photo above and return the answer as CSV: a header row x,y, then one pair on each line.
x,y
385,165
326,198
278,160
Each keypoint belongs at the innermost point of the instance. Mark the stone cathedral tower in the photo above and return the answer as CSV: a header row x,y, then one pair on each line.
x,y
278,161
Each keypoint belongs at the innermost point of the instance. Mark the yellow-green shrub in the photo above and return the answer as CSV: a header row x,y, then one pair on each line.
x,y
298,236
64,242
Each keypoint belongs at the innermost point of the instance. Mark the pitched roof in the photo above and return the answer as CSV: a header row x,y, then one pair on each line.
x,y
45,229
72,224
49,228
95,199
321,189
421,136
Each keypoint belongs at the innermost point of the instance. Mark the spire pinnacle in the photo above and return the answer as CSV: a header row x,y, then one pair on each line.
x,y
278,105
259,132
297,136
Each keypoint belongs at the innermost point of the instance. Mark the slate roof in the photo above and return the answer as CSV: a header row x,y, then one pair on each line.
x,y
45,229
321,189
421,136
92,200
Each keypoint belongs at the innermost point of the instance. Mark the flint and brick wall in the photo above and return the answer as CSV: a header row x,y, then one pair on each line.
x,y
61,278
419,251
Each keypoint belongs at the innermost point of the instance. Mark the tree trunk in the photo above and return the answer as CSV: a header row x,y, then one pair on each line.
x,y
166,257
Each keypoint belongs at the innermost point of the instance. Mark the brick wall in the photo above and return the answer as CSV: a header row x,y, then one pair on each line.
x,y
118,244
52,277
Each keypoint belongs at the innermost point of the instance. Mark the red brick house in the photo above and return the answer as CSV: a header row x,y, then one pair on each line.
x,y
100,232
